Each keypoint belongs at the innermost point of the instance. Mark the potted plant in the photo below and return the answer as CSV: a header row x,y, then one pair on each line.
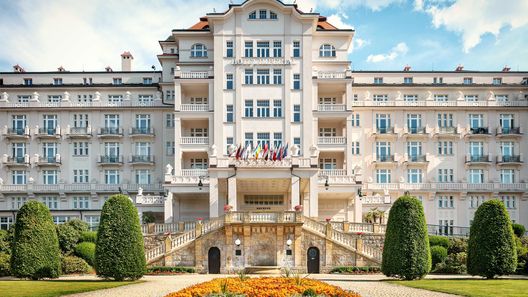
x,y
228,208
328,220
298,208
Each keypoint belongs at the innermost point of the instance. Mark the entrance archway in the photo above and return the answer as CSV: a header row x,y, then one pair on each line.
x,y
213,260
312,259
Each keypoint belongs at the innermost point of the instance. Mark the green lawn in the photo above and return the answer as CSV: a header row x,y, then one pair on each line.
x,y
53,288
472,287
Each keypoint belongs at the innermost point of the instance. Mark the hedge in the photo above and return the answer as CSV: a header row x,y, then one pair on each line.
x,y
5,260
119,252
86,250
438,254
406,252
68,237
519,230
89,236
491,247
356,269
438,240
169,269
79,225
5,241
72,264
36,252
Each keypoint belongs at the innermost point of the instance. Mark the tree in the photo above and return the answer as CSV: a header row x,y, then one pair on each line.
x,y
406,252
68,237
119,252
491,246
36,252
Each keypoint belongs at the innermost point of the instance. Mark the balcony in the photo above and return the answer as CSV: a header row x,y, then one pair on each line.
x,y
385,159
332,172
110,132
16,161
110,160
415,130
48,161
445,131
510,160
142,160
194,172
141,132
331,107
334,140
16,133
416,159
331,75
48,133
384,130
479,131
509,131
79,132
195,140
194,107
478,159
193,74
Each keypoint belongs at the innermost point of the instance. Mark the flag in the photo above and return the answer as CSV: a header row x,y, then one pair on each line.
x,y
257,151
266,152
285,151
281,150
238,152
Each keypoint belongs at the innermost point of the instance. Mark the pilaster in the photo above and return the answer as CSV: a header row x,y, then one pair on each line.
x,y
295,195
168,208
213,197
298,251
232,193
314,199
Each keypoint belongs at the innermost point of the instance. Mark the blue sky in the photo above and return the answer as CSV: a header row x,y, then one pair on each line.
x,y
425,34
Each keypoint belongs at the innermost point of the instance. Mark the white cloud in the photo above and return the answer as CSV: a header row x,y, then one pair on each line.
x,y
374,5
337,20
418,5
399,50
475,18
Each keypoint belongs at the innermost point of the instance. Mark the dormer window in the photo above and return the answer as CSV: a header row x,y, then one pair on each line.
x,y
327,50
198,50
28,81
253,15
273,16
57,81
263,14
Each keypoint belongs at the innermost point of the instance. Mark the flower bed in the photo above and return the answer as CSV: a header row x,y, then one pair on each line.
x,y
263,287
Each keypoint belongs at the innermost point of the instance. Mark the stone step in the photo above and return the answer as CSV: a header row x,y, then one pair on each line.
x,y
262,270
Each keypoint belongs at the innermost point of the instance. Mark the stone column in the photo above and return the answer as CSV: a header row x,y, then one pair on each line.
x,y
213,197
177,139
295,195
198,252
168,246
168,208
232,193
229,248
314,199
358,209
177,96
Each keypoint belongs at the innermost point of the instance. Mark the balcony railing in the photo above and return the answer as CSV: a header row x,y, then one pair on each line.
x,y
332,172
478,158
331,75
416,130
194,107
193,172
141,159
194,74
48,132
417,158
385,158
111,159
455,186
479,131
16,160
332,140
143,131
79,131
446,130
331,107
446,230
385,130
87,187
111,131
509,131
22,132
50,160
509,159
194,140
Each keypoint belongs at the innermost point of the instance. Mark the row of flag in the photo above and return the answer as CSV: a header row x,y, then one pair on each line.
x,y
263,152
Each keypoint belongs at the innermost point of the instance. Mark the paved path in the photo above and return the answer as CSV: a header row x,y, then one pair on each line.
x,y
367,285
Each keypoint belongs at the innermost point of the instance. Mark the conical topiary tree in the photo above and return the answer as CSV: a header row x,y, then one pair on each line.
x,y
119,252
491,246
406,250
36,252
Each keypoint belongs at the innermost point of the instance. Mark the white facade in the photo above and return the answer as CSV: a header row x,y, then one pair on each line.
x,y
265,72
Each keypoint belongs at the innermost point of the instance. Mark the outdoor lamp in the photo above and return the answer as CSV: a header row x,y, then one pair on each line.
x,y
327,185
200,184
237,242
289,242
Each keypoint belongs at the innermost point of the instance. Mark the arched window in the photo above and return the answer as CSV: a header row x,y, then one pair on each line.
x,y
198,50
253,15
327,50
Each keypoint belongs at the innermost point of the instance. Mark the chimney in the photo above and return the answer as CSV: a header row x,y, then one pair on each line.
x,y
459,68
126,61
506,69
17,68
61,69
407,68
109,69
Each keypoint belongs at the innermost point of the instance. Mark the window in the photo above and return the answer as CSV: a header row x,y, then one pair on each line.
x,y
263,49
112,177
229,49
117,81
476,176
17,202
445,148
198,51
471,98
263,76
383,123
143,149
169,94
296,49
414,150
445,120
277,48
277,76
248,139
296,81
501,97
51,202
277,108
23,98
410,98
253,15
355,148
446,201
327,132
143,176
229,142
80,120
356,120
170,148
476,121
297,141
383,176
229,81
263,138
445,176
28,81
87,80
112,150
60,219
145,98
476,201
380,98
169,120
414,123
147,80
50,177
19,123
115,98
248,76
440,98
263,108
81,202
507,150
438,80
54,98
80,149
273,16
80,176
18,150
327,50
19,177
407,80
468,80
112,122
296,113
263,14
264,199
248,49
383,151
507,176
248,108
378,80
143,123
510,202
50,122
93,221
5,223
414,176
198,132
229,113
328,163
277,139
497,81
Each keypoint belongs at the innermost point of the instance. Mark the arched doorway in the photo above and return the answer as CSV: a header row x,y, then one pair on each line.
x,y
214,260
312,259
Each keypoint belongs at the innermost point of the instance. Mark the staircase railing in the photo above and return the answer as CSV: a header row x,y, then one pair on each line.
x,y
182,239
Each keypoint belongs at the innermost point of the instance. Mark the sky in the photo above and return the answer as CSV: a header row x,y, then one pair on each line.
x,y
389,34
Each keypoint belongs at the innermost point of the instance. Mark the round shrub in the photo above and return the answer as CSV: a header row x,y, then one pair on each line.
x,y
72,264
119,252
406,250
68,237
89,236
438,254
519,230
5,260
438,240
457,245
86,250
79,225
36,252
491,246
